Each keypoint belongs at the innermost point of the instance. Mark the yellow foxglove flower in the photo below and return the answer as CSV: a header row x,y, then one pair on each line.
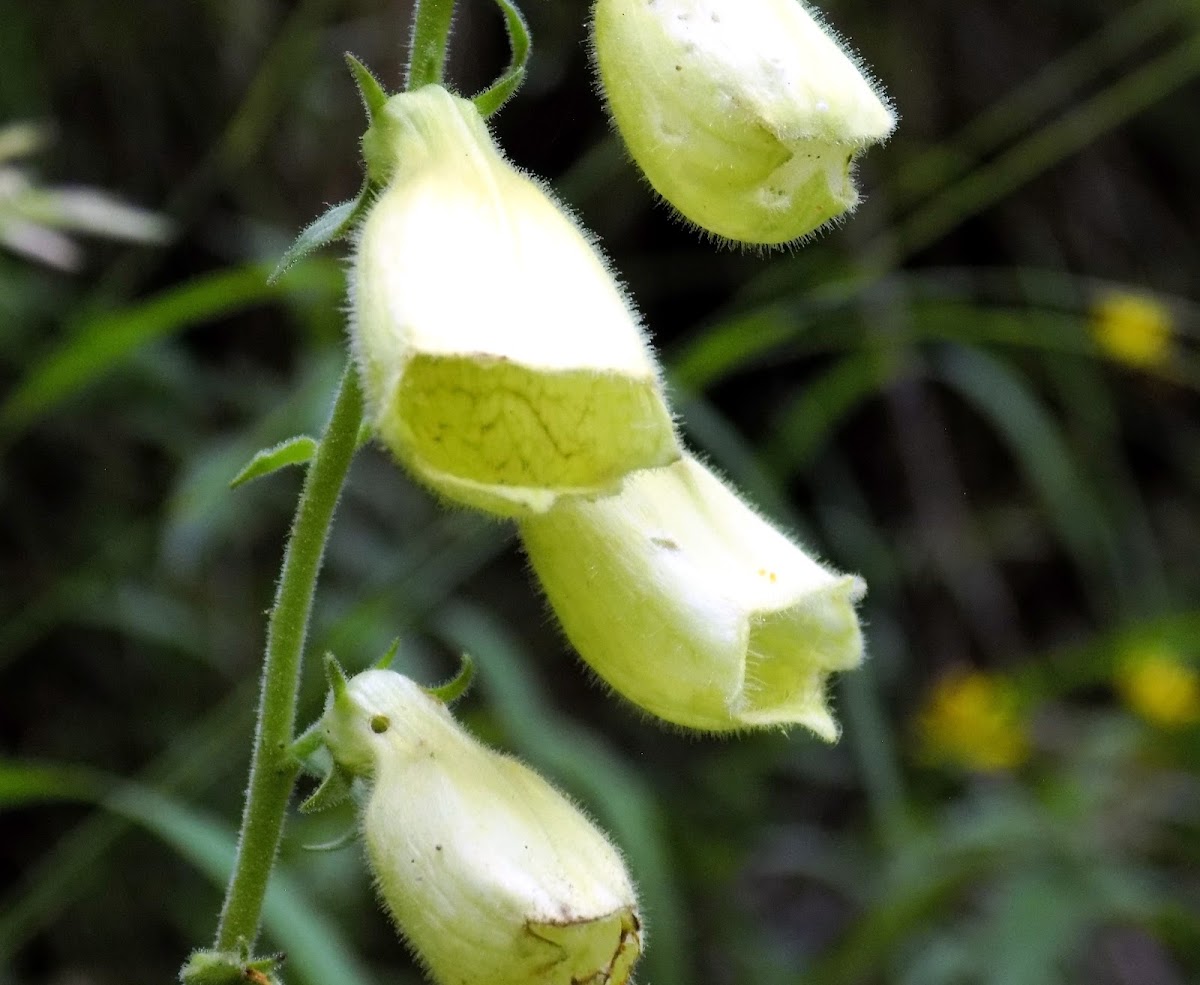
x,y
745,115
501,361
491,874
694,607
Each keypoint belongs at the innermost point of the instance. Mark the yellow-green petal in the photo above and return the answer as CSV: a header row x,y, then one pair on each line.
x,y
694,607
492,875
745,115
501,361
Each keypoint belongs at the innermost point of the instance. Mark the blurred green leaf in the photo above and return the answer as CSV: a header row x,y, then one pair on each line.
x,y
1079,125
985,325
199,753
22,784
718,350
1050,86
812,417
317,951
104,341
1036,924
1036,441
201,511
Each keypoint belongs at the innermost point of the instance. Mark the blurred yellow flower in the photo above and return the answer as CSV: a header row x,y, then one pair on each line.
x,y
1132,328
1159,686
972,719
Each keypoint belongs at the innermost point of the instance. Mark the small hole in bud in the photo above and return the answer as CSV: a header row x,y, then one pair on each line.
x,y
379,724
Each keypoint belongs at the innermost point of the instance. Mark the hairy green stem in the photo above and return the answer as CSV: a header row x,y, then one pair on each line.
x,y
273,765
273,769
430,38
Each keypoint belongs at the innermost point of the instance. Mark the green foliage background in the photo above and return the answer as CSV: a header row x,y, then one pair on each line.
x,y
916,394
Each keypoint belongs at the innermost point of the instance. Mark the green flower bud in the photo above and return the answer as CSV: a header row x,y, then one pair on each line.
x,y
492,875
694,607
501,361
745,115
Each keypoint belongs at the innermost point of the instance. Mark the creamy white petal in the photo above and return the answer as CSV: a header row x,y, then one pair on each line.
x,y
693,606
745,115
492,875
502,362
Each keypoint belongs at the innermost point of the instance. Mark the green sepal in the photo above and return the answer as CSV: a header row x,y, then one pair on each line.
x,y
349,836
335,677
333,790
454,689
373,94
229,967
306,747
366,432
333,225
519,42
385,662
339,221
294,451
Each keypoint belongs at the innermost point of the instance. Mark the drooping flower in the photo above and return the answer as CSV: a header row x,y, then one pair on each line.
x,y
693,606
745,115
492,875
501,361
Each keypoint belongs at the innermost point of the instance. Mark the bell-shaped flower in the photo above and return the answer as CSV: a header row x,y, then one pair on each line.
x,y
492,875
745,115
693,606
501,361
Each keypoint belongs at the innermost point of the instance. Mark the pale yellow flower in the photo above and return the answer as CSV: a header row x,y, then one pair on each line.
x,y
501,361
1159,686
491,874
972,719
1134,329
744,115
691,605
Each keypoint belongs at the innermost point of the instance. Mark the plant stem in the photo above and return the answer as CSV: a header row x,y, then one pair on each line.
x,y
272,769
430,37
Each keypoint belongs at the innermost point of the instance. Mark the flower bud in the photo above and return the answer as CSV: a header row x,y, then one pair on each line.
x,y
745,115
500,360
491,874
694,607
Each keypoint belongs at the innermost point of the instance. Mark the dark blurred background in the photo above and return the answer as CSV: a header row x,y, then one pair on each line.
x,y
980,392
